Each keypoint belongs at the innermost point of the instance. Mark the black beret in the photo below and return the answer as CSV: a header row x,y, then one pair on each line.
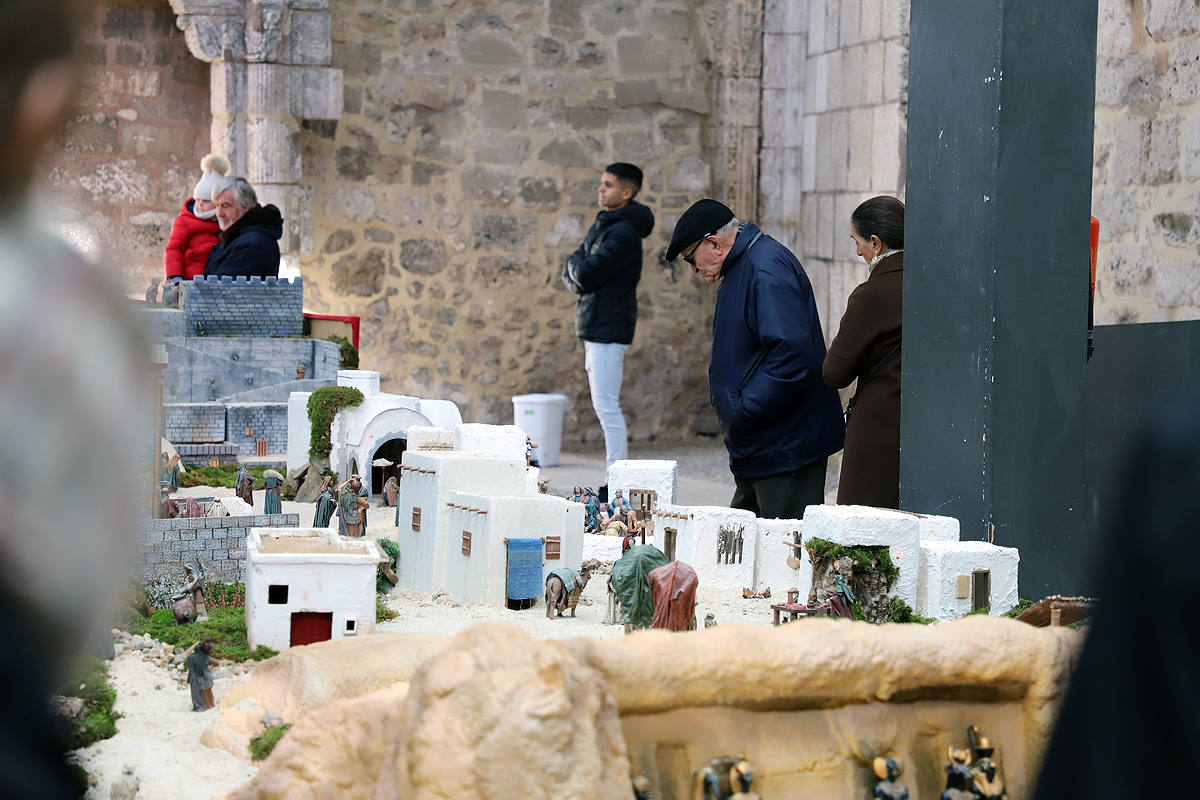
x,y
704,217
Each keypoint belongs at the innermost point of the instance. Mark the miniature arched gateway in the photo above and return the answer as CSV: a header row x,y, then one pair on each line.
x,y
376,428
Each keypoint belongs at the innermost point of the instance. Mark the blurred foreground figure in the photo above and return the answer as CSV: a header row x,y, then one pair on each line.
x,y
1135,696
73,400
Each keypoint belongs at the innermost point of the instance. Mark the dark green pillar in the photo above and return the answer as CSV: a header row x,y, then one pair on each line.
x,y
998,196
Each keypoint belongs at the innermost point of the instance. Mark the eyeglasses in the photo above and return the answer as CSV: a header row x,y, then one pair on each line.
x,y
690,258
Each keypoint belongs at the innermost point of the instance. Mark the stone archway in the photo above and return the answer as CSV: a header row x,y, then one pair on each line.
x,y
269,65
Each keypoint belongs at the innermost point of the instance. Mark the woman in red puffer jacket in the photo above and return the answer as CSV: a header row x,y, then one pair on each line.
x,y
195,230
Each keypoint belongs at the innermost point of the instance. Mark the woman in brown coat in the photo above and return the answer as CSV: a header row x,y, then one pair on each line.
x,y
867,348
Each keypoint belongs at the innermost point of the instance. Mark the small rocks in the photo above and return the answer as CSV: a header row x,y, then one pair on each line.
x,y
67,707
125,786
271,720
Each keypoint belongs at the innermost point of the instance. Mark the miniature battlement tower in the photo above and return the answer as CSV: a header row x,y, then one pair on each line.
x,y
242,306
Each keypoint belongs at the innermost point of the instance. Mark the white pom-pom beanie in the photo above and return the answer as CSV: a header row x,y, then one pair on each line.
x,y
214,167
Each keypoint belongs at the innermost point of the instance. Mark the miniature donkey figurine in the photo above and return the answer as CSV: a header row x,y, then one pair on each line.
x,y
564,586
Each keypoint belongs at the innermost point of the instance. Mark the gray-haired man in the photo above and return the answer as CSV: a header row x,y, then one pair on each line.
x,y
249,239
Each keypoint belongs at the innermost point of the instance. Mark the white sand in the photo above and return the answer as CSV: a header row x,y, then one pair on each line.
x,y
158,735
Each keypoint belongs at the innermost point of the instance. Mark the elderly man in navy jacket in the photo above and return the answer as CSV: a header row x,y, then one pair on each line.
x,y
780,421
249,240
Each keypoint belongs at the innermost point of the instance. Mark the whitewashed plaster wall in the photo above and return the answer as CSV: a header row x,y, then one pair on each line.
x,y
341,583
428,480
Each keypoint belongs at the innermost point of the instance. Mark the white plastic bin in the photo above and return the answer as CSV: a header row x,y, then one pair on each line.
x,y
541,416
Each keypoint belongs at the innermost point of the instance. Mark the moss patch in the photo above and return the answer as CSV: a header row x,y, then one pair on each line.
x,y
90,684
382,612
262,745
866,559
349,357
323,406
393,551
900,611
226,626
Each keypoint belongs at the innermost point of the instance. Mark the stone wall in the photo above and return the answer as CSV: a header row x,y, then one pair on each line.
x,y
217,544
464,170
1147,161
835,103
130,153
242,369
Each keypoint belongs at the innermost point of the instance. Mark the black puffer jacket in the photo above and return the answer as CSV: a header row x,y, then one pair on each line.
x,y
249,246
604,272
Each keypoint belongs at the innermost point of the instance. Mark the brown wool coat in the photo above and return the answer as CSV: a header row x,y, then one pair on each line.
x,y
869,329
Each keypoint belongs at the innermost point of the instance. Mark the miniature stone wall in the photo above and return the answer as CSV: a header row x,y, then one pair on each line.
x,y
241,306
218,544
193,422
130,153
249,423
208,454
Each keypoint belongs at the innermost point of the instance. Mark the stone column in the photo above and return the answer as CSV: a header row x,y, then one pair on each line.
x,y
737,33
270,69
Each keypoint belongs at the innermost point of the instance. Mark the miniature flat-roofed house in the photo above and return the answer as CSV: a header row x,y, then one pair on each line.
x,y
305,586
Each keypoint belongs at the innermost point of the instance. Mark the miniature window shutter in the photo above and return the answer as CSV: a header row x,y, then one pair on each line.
x,y
214,462
466,543
260,447
553,548
416,519
670,534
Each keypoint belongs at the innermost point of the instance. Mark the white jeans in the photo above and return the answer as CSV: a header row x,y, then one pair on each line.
x,y
604,363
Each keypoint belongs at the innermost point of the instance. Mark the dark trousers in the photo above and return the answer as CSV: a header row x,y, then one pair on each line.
x,y
782,496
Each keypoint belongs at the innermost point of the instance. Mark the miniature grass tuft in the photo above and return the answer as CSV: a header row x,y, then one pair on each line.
x,y
217,476
1020,608
323,405
393,552
90,684
262,745
226,626
900,611
383,612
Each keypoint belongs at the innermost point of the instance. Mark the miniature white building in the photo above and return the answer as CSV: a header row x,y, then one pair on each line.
x,y
641,474
939,575
732,549
375,428
428,478
305,586
479,528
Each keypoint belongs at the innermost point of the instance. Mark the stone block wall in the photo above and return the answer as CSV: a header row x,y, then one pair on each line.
x,y
193,422
463,171
263,421
835,111
1146,174
129,155
217,544
203,455
242,306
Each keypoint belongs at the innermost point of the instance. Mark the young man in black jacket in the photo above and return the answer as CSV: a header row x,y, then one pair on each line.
x,y
604,272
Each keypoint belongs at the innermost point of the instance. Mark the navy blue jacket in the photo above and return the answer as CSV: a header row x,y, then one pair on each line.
x,y
249,246
604,272
776,412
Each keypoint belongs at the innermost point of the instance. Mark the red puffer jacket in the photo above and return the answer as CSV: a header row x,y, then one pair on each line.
x,y
191,241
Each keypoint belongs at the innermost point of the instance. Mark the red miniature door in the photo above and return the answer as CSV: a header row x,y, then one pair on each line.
x,y
311,626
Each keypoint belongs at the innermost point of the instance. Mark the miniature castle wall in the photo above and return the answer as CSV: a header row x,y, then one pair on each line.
x,y
194,422
218,544
242,306
206,369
